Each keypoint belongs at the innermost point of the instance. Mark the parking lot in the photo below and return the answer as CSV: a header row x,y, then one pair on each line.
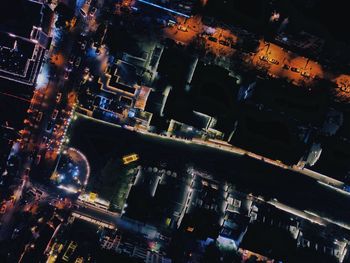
x,y
282,63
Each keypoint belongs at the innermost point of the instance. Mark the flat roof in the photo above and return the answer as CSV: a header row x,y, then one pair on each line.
x,y
14,102
142,97
125,71
113,83
15,53
19,16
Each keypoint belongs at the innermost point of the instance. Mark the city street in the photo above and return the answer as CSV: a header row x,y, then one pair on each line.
x,y
12,206
37,135
173,131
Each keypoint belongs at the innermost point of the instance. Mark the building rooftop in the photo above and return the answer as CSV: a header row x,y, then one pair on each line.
x,y
19,16
234,225
125,71
121,78
142,97
14,102
24,35
302,42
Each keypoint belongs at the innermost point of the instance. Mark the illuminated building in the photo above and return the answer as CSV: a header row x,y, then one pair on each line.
x,y
24,38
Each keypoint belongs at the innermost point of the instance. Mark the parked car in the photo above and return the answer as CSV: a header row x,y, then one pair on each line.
x,y
224,43
182,28
83,45
66,75
71,59
297,70
37,159
26,172
39,116
273,61
54,114
3,208
49,126
305,74
264,58
77,62
58,97
285,66
212,39
92,11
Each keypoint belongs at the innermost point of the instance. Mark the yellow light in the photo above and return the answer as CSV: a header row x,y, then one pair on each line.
x,y
190,229
130,158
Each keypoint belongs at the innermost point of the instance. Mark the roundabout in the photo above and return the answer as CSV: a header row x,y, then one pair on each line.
x,y
73,171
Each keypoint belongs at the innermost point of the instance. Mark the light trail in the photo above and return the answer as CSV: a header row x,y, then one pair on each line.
x,y
14,96
163,8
